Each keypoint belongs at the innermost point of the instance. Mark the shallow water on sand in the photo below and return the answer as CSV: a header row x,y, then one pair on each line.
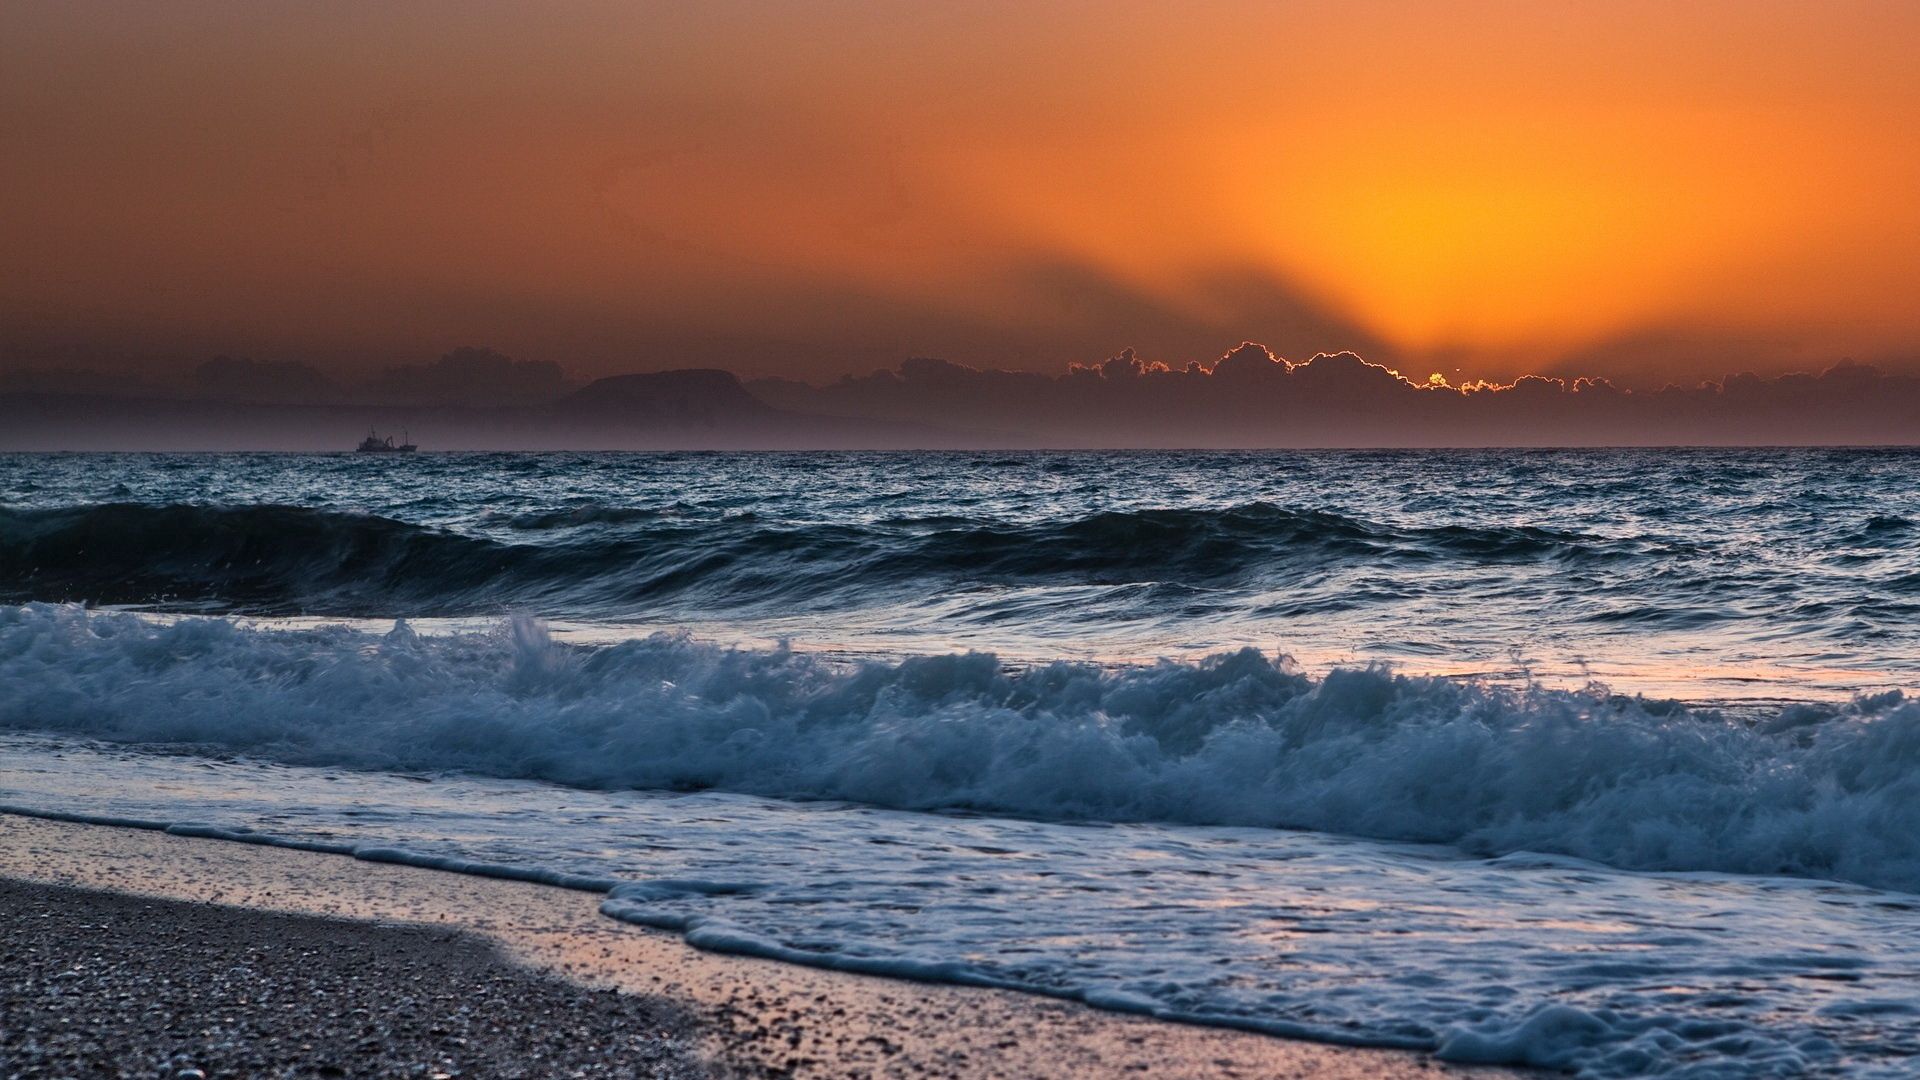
x,y
1522,958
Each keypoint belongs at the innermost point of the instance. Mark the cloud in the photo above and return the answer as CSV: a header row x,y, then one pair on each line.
x,y
1250,397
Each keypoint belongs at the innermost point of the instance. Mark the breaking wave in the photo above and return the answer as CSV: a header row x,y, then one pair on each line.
x,y
1239,739
599,560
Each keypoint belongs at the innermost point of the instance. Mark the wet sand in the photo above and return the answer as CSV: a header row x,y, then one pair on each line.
x,y
255,961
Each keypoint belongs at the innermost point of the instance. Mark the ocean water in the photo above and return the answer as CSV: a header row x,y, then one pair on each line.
x,y
1601,761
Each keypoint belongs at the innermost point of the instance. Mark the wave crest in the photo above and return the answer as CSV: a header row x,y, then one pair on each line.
x,y
603,560
1239,739
263,557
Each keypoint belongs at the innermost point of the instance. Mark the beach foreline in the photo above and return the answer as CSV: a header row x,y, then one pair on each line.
x,y
745,1016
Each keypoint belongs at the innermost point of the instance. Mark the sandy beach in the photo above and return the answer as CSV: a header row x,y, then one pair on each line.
x,y
103,983
137,953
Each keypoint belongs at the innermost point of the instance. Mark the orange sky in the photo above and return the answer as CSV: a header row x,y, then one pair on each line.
x,y
1649,191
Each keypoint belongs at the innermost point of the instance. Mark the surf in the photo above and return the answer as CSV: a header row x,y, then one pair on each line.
x,y
1240,739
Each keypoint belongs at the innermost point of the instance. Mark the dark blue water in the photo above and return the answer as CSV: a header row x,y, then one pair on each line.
x,y
1707,574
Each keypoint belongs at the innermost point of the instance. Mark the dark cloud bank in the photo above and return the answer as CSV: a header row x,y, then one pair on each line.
x,y
477,399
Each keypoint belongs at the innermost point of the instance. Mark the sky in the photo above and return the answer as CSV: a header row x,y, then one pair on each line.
x,y
1646,192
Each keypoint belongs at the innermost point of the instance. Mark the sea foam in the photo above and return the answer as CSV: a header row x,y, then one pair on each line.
x,y
1238,739
1527,958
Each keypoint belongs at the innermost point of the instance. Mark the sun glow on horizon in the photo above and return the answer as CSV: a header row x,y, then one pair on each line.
x,y
1627,189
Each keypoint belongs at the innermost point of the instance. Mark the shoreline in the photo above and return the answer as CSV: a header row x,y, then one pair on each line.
x,y
742,1015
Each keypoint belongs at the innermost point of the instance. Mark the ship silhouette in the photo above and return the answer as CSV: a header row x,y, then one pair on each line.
x,y
374,444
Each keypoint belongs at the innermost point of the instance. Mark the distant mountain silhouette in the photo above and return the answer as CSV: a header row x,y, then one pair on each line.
x,y
470,377
668,410
261,382
699,408
1251,398
1247,398
692,396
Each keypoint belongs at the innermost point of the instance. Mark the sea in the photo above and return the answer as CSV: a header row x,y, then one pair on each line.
x,y
1600,761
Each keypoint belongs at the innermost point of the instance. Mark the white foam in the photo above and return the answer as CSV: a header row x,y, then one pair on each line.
x,y
1524,959
1242,739
507,755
